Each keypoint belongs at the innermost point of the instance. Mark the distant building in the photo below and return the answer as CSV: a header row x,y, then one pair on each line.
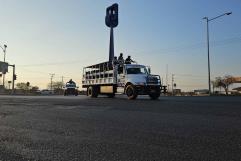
x,y
201,91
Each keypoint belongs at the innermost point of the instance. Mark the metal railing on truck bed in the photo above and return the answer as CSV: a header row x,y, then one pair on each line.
x,y
98,74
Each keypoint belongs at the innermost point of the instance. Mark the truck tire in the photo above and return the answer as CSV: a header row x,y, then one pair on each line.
x,y
131,92
154,96
111,95
92,92
65,93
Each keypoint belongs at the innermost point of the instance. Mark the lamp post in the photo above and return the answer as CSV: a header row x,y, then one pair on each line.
x,y
4,52
208,20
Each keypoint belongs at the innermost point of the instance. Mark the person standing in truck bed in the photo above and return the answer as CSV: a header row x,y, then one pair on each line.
x,y
121,59
129,60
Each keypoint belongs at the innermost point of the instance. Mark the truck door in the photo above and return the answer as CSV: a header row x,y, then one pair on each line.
x,y
121,77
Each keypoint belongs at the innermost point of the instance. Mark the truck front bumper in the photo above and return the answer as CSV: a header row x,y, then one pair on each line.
x,y
148,89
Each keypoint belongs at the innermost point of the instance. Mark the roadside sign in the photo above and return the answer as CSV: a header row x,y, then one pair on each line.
x,y
3,67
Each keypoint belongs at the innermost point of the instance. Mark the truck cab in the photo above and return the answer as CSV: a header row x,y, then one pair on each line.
x,y
136,79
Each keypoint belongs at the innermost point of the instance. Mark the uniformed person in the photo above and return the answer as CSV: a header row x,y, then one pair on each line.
x,y
71,81
129,60
115,61
121,59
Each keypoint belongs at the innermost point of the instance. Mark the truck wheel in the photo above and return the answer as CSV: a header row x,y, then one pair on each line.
x,y
111,95
131,92
154,96
92,92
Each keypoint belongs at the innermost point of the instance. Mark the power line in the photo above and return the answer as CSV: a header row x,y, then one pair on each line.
x,y
43,73
172,84
192,46
158,51
190,75
49,64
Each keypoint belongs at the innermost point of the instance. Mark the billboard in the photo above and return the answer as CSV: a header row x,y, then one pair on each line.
x,y
3,67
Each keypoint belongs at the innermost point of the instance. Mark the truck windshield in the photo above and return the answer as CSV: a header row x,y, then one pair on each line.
x,y
139,70
68,85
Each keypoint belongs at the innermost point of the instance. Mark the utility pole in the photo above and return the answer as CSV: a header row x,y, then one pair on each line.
x,y
167,75
167,78
4,60
62,81
51,80
172,83
14,78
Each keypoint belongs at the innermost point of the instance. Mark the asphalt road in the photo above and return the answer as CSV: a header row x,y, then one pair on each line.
x,y
104,129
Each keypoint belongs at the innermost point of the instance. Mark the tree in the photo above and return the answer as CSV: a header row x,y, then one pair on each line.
x,y
227,81
224,82
217,83
56,85
22,86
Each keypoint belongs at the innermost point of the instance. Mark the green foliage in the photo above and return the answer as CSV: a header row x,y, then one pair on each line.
x,y
22,86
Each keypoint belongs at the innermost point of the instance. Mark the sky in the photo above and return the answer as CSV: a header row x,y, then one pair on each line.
x,y
63,36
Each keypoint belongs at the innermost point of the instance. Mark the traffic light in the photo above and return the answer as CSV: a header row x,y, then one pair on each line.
x,y
111,18
28,84
1,75
14,77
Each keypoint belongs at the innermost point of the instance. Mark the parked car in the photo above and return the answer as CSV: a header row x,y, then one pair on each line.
x,y
46,92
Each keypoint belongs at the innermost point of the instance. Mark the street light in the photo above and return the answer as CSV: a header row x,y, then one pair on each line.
x,y
207,20
4,52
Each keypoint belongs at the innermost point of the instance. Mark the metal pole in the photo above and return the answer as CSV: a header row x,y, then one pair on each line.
x,y
172,84
207,19
13,79
4,51
111,49
209,79
51,81
62,81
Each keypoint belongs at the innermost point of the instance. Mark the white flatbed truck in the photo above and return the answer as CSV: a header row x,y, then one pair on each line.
x,y
129,79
